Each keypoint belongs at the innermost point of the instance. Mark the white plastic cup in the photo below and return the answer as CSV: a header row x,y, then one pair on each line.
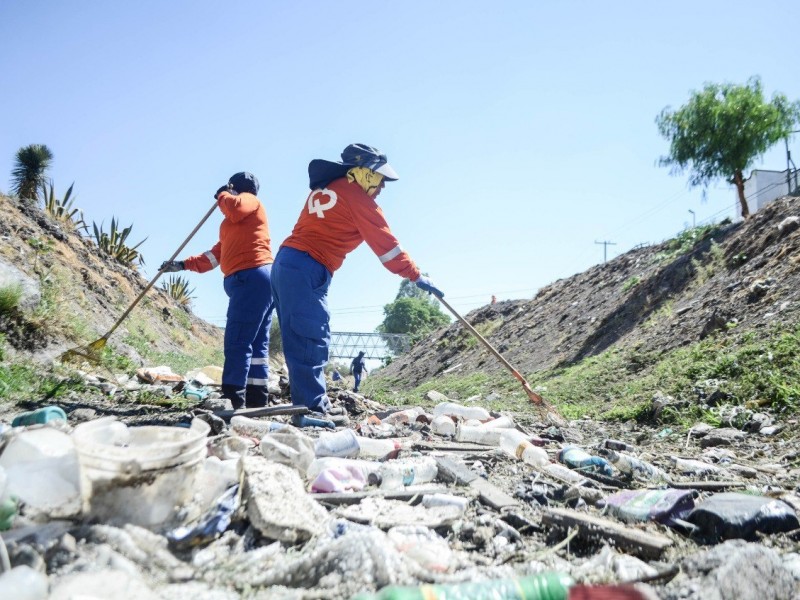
x,y
443,425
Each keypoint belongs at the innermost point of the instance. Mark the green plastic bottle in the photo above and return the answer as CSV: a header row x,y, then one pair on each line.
x,y
545,586
8,510
39,416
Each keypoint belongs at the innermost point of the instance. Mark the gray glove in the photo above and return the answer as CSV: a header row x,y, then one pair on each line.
x,y
171,266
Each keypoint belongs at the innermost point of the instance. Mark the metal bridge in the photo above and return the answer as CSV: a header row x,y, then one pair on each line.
x,y
347,344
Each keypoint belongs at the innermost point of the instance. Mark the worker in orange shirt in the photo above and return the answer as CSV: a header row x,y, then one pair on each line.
x,y
244,255
339,214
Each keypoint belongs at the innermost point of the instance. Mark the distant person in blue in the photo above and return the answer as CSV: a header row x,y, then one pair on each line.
x,y
356,367
336,375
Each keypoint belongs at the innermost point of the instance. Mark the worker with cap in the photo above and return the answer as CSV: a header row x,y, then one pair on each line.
x,y
244,255
338,215
356,367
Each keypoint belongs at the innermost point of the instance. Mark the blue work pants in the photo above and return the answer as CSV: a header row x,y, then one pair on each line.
x,y
247,328
300,290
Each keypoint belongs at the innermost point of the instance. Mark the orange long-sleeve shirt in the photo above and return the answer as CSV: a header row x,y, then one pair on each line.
x,y
244,240
336,219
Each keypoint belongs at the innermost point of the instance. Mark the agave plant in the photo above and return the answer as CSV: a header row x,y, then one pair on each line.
x,y
177,287
28,176
61,210
113,243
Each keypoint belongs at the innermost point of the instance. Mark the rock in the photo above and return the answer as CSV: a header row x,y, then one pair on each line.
x,y
80,415
757,422
788,225
733,570
659,403
277,503
28,286
102,584
436,397
725,436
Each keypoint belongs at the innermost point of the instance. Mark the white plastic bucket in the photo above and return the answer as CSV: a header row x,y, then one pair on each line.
x,y
141,475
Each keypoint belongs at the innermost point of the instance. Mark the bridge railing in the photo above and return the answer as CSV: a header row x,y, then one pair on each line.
x,y
347,344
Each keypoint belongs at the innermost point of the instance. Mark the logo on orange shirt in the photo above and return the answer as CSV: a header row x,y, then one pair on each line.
x,y
317,206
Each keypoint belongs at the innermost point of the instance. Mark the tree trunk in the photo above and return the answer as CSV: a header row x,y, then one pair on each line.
x,y
739,181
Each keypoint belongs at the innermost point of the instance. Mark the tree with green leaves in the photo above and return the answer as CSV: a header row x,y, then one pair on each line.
x,y
723,129
30,170
413,312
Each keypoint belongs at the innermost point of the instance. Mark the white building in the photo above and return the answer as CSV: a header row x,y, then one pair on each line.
x,y
762,187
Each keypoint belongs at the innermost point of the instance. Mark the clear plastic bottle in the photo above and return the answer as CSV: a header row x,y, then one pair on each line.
x,y
503,422
464,412
377,449
517,444
23,583
478,435
399,473
634,467
254,428
343,444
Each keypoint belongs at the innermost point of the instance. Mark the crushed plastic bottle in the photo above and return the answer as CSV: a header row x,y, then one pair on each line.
x,y
211,525
401,417
635,467
451,409
396,474
580,460
330,462
545,586
23,583
517,445
503,422
478,434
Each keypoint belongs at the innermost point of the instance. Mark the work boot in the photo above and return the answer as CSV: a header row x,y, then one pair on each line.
x,y
256,396
234,393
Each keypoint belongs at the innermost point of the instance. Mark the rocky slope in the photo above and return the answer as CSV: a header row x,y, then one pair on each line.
x,y
707,281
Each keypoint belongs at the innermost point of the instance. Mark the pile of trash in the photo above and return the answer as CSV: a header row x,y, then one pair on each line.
x,y
452,502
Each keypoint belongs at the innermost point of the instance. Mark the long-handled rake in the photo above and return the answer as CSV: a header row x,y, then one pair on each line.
x,y
540,403
93,352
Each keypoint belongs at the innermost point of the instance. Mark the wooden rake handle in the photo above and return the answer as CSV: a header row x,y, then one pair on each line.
x,y
161,271
533,396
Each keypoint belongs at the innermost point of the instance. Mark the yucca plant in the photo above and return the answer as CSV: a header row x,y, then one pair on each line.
x,y
177,287
113,243
61,210
30,164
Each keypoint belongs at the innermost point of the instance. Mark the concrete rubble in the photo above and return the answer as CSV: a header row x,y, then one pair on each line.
x,y
707,513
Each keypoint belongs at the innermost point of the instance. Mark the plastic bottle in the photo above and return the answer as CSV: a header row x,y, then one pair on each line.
x,y
330,462
634,467
343,444
399,473
478,435
443,425
579,459
253,427
500,423
39,416
516,444
459,502
545,586
464,412
377,449
617,445
562,473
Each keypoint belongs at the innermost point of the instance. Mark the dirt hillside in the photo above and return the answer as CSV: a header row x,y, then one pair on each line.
x,y
717,280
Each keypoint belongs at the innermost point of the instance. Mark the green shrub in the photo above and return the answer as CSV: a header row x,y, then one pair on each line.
x,y
10,296
177,288
113,243
631,283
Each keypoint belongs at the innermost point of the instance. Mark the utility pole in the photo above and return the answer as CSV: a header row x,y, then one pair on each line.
x,y
789,162
606,244
693,219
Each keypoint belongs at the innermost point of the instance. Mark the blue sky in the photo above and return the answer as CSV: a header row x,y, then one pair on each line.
x,y
523,132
